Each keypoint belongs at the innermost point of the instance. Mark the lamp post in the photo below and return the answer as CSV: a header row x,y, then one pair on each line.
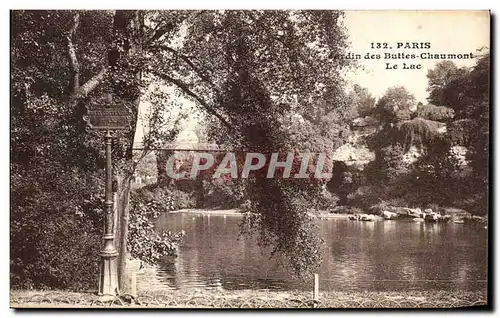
x,y
108,280
108,117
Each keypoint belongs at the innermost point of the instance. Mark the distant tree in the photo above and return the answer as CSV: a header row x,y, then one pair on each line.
x,y
395,105
391,163
443,75
469,95
440,76
437,177
457,115
345,180
362,102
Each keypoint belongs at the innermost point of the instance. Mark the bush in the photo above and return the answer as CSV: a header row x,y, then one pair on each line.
x,y
433,206
390,205
144,241
220,193
365,197
327,200
56,227
347,210
165,199
378,208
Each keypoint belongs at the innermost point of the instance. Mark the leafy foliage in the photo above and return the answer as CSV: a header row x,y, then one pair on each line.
x,y
467,92
269,77
417,132
48,215
443,80
345,180
395,105
59,65
363,103
438,176
273,82
55,168
220,193
147,243
435,113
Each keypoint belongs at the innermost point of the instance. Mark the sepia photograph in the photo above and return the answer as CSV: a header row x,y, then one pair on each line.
x,y
249,159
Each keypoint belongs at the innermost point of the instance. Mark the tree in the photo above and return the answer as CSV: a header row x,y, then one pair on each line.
x,y
438,176
467,93
268,77
257,73
402,128
443,75
395,105
345,181
440,76
362,101
61,64
55,167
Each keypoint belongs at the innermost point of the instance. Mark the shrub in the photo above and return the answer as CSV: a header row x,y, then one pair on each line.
x,y
164,198
347,210
366,196
56,227
327,200
144,241
225,194
378,208
388,205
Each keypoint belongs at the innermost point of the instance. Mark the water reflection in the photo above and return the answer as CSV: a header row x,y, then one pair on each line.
x,y
388,255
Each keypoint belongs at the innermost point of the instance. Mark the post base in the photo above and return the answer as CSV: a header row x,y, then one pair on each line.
x,y
108,280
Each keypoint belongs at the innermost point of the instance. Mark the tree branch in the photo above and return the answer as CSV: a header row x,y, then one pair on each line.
x,y
73,60
76,90
92,83
190,63
160,30
184,87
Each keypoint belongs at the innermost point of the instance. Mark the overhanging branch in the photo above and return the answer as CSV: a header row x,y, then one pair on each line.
x,y
184,87
186,59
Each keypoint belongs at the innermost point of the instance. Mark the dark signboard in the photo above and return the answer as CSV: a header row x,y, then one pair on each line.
x,y
108,117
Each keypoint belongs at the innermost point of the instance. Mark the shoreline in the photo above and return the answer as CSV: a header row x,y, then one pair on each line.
x,y
236,212
321,215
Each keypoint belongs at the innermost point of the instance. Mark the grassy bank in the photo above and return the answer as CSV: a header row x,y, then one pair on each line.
x,y
251,299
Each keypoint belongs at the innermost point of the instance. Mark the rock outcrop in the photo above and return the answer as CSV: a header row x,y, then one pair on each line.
x,y
389,215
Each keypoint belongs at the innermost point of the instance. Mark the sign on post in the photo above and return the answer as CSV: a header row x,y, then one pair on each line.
x,y
112,117
108,117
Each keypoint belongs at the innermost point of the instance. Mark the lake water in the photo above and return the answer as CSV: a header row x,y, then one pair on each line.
x,y
383,255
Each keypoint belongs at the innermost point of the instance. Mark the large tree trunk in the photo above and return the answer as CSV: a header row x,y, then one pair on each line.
x,y
123,211
127,27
